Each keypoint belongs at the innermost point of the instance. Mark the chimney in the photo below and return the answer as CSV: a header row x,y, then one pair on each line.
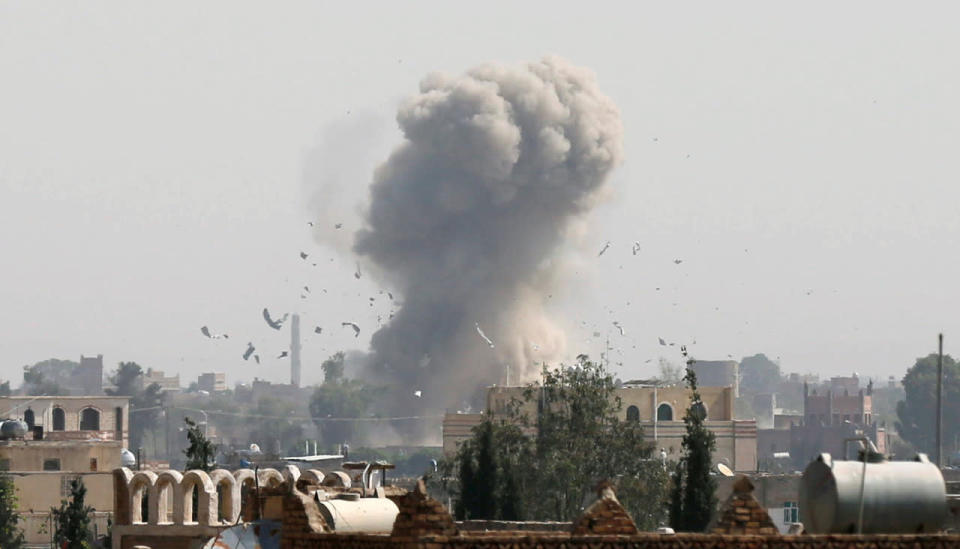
x,y
295,351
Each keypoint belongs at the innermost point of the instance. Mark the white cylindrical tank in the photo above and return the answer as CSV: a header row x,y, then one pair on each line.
x,y
898,496
127,459
355,514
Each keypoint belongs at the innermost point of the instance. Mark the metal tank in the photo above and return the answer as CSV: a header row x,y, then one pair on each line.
x,y
897,496
12,428
349,513
127,459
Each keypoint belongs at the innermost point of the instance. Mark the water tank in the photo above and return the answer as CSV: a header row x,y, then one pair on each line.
x,y
355,514
12,428
898,496
127,459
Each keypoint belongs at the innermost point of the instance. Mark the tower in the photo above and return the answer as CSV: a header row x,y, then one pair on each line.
x,y
295,351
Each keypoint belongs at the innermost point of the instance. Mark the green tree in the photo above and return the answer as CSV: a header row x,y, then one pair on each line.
x,y
10,533
579,441
339,398
917,413
758,374
267,432
201,453
491,472
692,511
333,368
145,402
72,519
5,389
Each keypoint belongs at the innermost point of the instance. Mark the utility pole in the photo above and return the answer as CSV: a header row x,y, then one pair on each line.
x,y
940,403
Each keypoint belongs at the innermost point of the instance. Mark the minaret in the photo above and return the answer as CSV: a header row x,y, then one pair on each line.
x,y
295,351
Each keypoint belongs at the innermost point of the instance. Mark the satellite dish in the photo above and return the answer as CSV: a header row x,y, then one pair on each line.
x,y
724,470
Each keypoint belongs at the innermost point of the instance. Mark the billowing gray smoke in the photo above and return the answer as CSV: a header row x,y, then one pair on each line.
x,y
466,216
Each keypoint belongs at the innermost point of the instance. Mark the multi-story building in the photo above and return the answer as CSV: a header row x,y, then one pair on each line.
x,y
830,417
212,382
67,437
659,409
166,383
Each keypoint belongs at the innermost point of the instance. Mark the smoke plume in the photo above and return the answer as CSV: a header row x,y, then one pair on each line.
x,y
465,218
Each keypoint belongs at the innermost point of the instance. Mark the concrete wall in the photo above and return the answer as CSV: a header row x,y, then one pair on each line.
x,y
37,493
26,455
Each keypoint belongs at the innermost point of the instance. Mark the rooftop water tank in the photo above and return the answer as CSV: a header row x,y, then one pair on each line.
x,y
127,459
898,496
351,513
12,428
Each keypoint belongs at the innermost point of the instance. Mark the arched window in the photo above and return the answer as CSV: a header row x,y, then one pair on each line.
x,y
90,419
59,419
664,412
29,418
633,413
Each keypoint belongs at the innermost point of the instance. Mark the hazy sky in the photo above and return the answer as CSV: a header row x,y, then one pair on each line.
x,y
800,160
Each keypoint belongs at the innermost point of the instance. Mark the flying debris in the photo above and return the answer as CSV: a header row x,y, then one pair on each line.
x,y
275,324
418,394
249,351
677,261
303,255
618,326
357,274
605,247
662,342
390,295
636,247
206,331
356,329
483,335
310,223
306,288
282,355
318,330
257,358
338,226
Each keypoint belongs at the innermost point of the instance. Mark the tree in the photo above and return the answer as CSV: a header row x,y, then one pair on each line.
x,y
758,374
201,453
917,413
579,440
267,432
47,376
5,389
491,472
10,533
692,511
333,368
338,398
72,519
144,401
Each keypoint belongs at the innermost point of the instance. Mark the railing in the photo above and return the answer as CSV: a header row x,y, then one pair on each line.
x,y
168,496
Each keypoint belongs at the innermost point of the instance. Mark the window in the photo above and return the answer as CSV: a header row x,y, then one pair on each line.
x,y
93,464
89,420
59,419
118,422
29,418
51,464
791,513
4,464
664,412
633,413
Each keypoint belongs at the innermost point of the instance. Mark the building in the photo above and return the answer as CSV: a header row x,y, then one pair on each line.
x,y
829,418
88,376
718,373
69,437
659,409
71,418
213,382
171,383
